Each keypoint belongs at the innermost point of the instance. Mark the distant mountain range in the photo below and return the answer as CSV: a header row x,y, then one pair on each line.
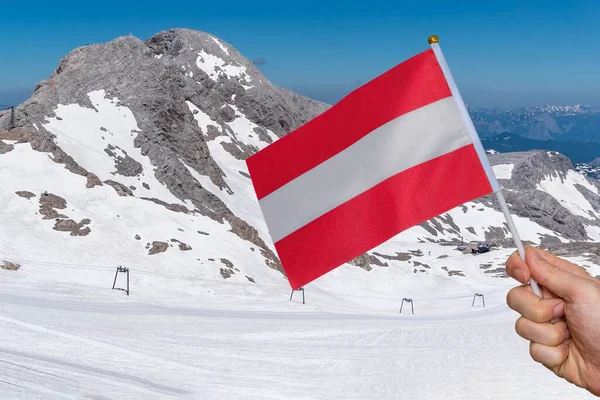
x,y
578,152
571,130
562,123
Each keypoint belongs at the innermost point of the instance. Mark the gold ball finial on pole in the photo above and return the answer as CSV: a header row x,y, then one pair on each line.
x,y
433,39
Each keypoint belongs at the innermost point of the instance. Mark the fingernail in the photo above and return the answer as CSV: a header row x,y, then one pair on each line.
x,y
534,253
559,310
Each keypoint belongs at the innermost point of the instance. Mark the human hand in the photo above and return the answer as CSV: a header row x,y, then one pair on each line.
x,y
564,326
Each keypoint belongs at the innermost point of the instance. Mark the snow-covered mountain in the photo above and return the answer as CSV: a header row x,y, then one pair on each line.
x,y
132,154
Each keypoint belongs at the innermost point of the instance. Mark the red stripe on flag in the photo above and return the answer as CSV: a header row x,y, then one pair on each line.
x,y
415,83
411,197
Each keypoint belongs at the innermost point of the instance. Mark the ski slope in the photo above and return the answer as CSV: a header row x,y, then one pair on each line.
x,y
173,339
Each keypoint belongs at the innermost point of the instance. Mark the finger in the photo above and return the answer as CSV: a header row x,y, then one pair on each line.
x,y
546,294
548,334
517,268
550,356
523,301
560,263
563,283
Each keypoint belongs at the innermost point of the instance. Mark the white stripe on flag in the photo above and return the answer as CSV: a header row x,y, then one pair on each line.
x,y
464,114
407,141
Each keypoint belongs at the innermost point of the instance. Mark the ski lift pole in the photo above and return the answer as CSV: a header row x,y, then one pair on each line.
x,y
434,41
115,281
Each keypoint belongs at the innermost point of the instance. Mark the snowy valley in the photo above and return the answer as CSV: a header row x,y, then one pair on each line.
x,y
132,154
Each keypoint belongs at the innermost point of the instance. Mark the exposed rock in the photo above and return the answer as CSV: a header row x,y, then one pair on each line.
x,y
10,266
263,135
443,256
455,273
138,237
397,257
365,261
549,240
250,279
239,150
13,134
25,194
121,189
158,247
92,180
203,233
590,250
182,246
172,207
5,148
227,113
471,229
498,272
495,234
226,273
429,228
418,264
227,263
49,202
125,165
76,229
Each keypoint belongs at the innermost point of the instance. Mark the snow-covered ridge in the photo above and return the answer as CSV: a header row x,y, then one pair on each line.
x,y
216,67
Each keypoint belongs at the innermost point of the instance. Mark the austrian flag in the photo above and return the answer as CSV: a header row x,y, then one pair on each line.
x,y
394,153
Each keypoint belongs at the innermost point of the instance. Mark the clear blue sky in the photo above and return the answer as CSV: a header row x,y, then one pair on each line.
x,y
502,53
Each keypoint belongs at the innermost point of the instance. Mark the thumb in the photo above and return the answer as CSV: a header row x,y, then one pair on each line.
x,y
559,281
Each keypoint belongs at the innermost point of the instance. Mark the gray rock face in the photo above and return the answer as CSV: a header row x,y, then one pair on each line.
x,y
76,229
158,247
365,261
155,79
25,194
5,148
49,203
525,200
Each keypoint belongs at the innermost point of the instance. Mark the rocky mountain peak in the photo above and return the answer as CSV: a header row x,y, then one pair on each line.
x,y
148,119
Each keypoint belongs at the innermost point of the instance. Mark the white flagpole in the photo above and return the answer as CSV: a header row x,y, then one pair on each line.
x,y
434,42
